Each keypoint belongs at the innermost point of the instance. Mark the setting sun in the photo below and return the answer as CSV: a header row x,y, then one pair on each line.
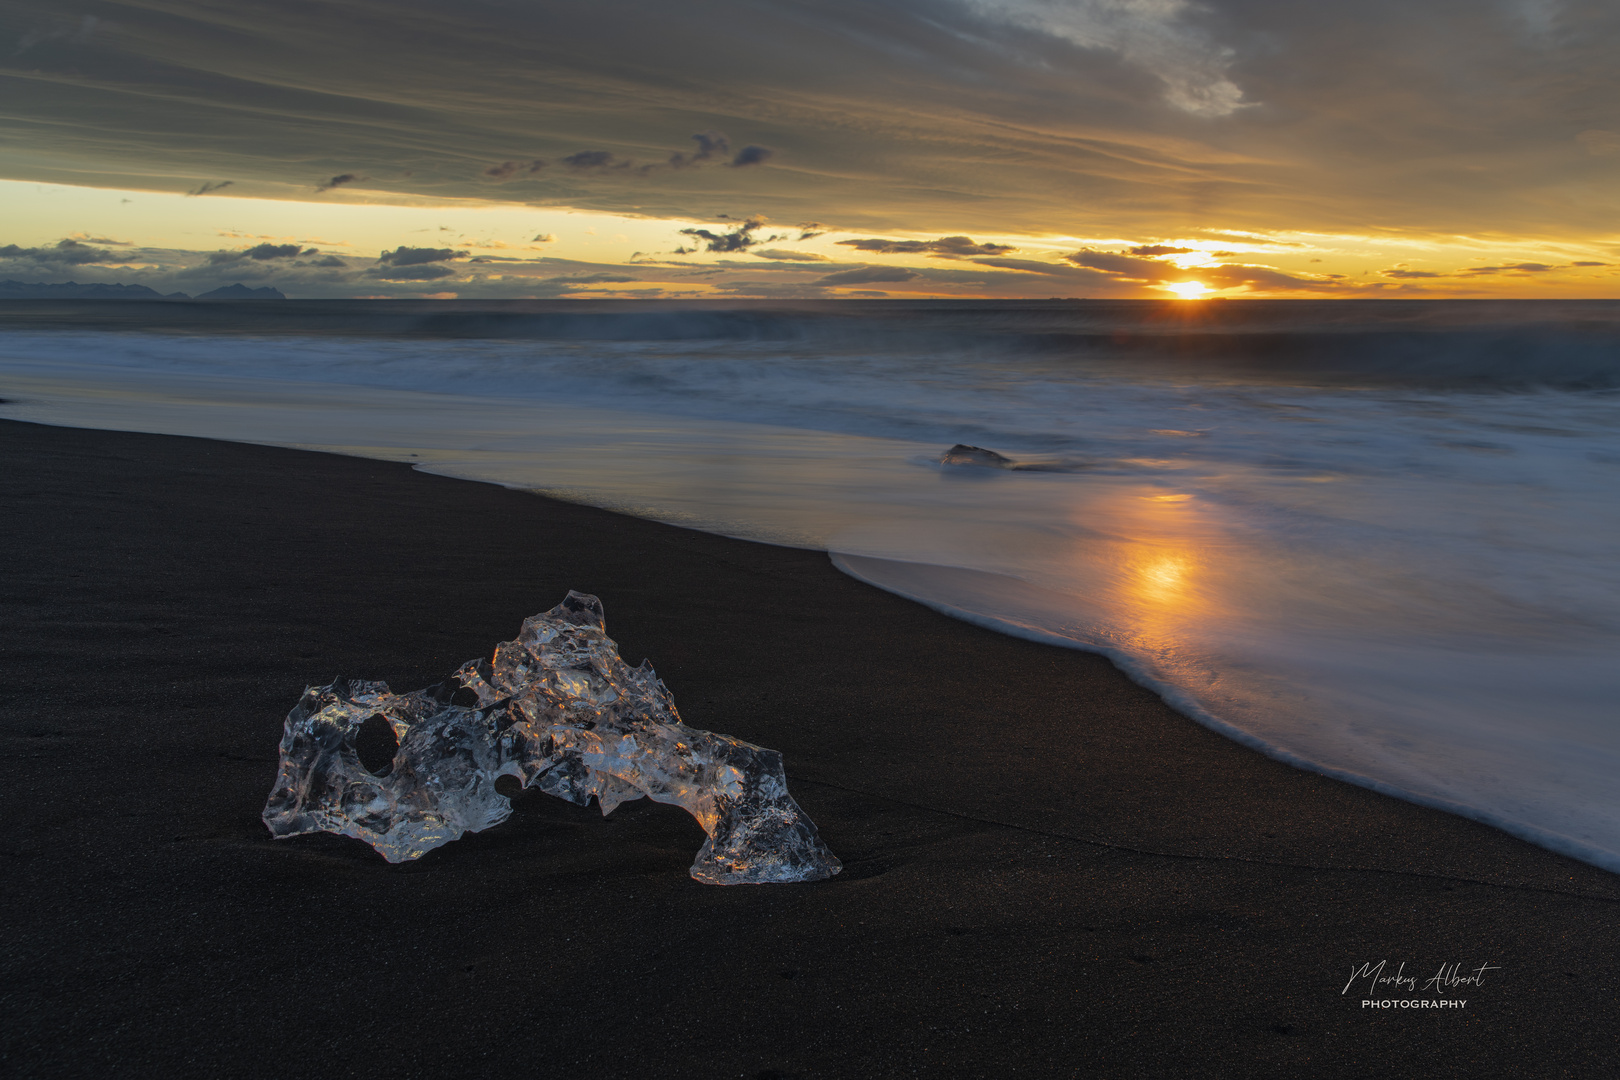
x,y
1188,290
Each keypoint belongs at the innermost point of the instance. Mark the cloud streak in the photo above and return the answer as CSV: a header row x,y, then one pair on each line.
x,y
418,256
63,253
946,247
340,180
868,275
1157,36
512,170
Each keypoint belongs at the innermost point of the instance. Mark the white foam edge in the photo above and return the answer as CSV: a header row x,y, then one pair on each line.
x,y
1185,704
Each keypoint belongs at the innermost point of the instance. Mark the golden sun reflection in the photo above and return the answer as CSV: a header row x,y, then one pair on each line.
x,y
1162,580
1161,567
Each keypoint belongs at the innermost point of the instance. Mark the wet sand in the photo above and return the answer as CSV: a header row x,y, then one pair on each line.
x,y
1048,871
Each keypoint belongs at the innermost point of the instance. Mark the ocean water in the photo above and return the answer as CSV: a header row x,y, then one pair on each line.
x,y
1375,539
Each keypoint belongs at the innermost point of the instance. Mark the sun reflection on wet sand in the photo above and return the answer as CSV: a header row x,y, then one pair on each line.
x,y
1150,582
1161,581
1159,564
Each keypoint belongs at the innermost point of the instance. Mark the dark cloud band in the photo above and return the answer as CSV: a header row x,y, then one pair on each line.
x,y
1001,116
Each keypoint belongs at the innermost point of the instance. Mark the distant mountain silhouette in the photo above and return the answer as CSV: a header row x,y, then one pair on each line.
x,y
239,291
72,290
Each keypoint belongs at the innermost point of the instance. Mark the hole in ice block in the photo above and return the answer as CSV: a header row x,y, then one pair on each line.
x,y
375,746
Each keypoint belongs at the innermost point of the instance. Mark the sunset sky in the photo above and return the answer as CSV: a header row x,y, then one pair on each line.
x,y
815,148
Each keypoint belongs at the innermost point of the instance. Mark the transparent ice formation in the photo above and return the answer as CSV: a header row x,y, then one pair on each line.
x,y
561,711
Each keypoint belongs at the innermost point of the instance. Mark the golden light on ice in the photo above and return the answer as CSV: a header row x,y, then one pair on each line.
x,y
1188,290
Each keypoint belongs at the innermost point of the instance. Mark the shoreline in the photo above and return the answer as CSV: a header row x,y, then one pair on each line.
x,y
1185,705
1042,857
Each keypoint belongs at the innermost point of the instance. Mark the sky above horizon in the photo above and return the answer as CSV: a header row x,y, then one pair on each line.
x,y
815,148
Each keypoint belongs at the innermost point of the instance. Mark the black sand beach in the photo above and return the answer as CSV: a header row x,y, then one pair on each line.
x,y
1048,872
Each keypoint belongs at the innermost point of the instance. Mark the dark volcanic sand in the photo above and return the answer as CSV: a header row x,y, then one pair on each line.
x,y
1048,872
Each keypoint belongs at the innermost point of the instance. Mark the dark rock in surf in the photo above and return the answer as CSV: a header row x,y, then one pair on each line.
x,y
962,454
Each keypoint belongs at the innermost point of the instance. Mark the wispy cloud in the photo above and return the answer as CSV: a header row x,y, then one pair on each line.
x,y
1152,250
712,147
946,247
711,144
74,31
1160,36
511,170
868,275
596,161
338,181
430,272
1510,268
785,255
